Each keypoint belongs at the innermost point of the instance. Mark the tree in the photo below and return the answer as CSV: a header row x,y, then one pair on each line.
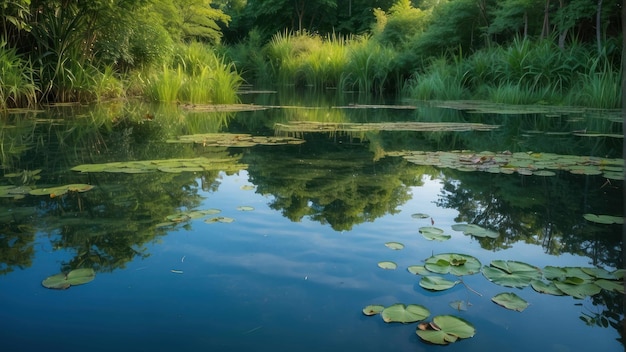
x,y
198,20
514,15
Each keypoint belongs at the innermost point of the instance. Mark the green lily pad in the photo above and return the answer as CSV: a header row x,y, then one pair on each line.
x,y
387,265
578,291
511,273
420,216
223,219
604,219
75,277
610,285
453,263
437,283
445,329
373,309
247,187
418,270
549,288
475,230
510,300
394,245
245,208
400,313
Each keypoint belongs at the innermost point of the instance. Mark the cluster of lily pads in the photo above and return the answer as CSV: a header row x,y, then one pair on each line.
x,y
315,126
185,216
577,282
233,140
19,192
524,163
166,165
442,330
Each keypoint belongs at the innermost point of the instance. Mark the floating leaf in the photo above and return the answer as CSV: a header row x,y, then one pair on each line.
x,y
459,305
542,287
448,330
75,277
604,219
418,270
511,273
394,245
247,187
436,236
245,208
400,313
578,291
420,216
609,285
455,264
436,283
373,309
387,265
510,300
219,219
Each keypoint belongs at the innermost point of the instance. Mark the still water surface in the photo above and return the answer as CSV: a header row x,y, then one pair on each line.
x,y
295,272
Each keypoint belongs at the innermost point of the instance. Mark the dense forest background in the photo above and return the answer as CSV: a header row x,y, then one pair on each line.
x,y
513,51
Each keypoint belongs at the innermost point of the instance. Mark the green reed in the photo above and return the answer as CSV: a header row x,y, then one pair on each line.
x,y
17,88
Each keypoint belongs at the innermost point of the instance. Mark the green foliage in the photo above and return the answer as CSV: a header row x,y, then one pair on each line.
x,y
17,88
401,24
198,20
197,75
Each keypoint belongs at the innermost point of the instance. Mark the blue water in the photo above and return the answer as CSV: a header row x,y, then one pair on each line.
x,y
264,283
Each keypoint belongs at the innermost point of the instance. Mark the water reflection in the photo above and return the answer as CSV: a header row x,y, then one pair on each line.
x,y
343,180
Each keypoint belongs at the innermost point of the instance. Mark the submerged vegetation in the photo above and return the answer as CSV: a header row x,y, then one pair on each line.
x,y
172,51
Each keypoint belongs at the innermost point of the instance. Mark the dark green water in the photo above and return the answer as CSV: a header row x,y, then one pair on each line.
x,y
294,271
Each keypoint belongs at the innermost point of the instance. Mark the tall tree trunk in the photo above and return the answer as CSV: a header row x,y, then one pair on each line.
x,y
545,31
599,26
563,34
525,24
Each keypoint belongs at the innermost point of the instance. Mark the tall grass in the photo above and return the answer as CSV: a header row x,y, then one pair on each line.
x,y
525,72
17,88
370,65
197,75
599,86
441,81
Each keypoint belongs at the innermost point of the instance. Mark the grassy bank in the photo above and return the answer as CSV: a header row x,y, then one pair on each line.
x,y
524,72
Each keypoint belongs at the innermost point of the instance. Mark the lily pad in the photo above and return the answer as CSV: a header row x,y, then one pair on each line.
x,y
437,283
75,277
453,263
373,309
604,219
418,270
610,285
549,288
445,329
394,245
223,219
420,216
245,208
510,300
387,265
400,313
475,230
511,273
578,291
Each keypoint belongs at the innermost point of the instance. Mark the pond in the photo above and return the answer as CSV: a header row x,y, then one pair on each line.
x,y
272,226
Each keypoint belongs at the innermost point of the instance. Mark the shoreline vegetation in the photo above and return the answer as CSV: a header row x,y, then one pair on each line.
x,y
71,52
